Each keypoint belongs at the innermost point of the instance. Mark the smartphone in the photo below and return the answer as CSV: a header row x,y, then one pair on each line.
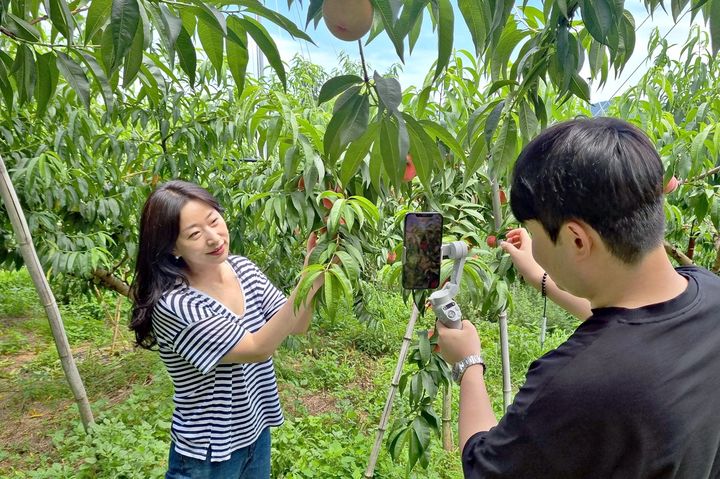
x,y
422,236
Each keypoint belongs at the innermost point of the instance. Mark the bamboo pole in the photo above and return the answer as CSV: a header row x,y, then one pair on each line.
x,y
447,437
27,249
502,319
370,471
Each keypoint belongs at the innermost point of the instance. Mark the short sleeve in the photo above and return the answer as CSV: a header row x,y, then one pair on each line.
x,y
569,426
199,335
270,297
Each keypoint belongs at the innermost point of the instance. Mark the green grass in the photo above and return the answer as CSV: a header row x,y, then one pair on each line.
x,y
333,384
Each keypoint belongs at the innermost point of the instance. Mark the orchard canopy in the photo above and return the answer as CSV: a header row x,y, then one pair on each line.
x,y
101,100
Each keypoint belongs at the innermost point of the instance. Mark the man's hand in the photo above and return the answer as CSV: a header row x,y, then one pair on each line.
x,y
518,245
457,344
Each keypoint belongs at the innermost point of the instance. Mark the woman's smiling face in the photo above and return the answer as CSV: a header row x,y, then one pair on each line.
x,y
203,237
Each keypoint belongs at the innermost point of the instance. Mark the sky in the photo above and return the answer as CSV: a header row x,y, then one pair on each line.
x,y
380,54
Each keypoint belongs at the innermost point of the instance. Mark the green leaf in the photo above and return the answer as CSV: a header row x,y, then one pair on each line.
x,y
133,60
22,29
389,92
124,20
101,79
389,147
97,16
46,81
237,51
336,85
211,38
471,11
714,18
435,130
411,13
342,280
267,45
424,347
492,121
60,17
73,73
347,124
446,25
330,293
334,216
528,121
419,442
23,70
211,15
356,153
186,54
255,6
383,8
171,29
504,148
314,12
598,18
423,149
579,87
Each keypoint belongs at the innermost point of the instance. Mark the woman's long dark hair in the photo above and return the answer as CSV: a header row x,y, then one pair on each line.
x,y
156,269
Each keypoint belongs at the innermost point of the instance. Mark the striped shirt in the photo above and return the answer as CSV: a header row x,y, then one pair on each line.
x,y
220,407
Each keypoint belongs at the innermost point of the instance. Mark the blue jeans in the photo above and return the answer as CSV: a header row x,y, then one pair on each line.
x,y
250,462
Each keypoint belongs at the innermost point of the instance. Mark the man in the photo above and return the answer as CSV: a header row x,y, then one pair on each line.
x,y
635,391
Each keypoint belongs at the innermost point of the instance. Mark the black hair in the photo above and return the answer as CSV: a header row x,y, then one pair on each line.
x,y
156,268
602,171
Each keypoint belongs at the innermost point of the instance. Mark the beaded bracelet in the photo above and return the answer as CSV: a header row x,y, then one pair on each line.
x,y
543,292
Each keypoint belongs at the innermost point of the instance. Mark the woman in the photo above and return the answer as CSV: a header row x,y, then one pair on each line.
x,y
216,320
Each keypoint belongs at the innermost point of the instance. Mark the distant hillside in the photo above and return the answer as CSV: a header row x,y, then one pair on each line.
x,y
599,108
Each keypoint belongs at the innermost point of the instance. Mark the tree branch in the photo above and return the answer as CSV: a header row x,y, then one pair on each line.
x,y
716,265
45,17
112,282
701,176
676,254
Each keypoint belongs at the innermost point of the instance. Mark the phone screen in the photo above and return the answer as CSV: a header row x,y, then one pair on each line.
x,y
423,250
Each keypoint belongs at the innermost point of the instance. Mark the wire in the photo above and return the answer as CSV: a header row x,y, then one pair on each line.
x,y
648,55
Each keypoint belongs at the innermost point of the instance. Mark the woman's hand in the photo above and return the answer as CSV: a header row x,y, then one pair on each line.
x,y
518,245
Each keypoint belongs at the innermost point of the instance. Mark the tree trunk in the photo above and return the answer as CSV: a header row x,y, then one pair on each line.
x,y
27,249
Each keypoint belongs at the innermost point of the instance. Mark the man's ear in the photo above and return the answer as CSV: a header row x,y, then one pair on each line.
x,y
580,237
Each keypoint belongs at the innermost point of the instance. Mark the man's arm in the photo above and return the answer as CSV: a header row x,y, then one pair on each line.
x,y
476,414
518,245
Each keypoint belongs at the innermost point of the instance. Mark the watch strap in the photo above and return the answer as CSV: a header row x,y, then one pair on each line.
x,y
461,366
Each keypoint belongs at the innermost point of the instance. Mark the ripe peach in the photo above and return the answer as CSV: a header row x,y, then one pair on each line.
x,y
671,186
327,203
301,184
491,241
348,20
391,257
503,198
410,172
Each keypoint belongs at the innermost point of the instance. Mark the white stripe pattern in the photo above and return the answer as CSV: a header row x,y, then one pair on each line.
x,y
218,407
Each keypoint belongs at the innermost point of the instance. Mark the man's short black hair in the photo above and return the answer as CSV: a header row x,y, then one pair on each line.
x,y
603,171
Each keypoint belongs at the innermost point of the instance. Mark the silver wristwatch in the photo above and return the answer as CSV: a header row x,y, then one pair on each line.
x,y
461,366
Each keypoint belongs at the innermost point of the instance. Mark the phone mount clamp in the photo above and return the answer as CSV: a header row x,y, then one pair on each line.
x,y
441,301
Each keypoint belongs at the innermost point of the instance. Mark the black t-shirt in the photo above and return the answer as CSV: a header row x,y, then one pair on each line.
x,y
633,393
